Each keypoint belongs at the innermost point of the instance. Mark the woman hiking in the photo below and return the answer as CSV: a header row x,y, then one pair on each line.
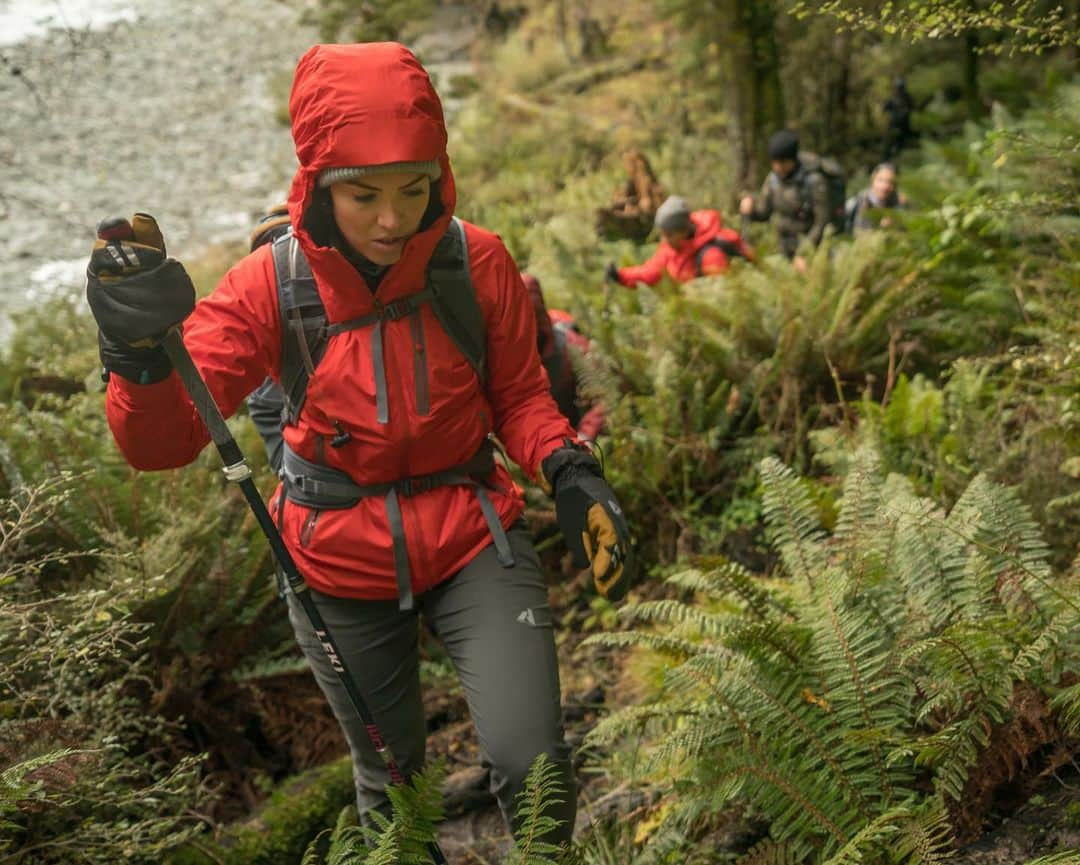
x,y
391,504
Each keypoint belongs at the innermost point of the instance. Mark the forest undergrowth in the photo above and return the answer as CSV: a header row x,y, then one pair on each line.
x,y
856,492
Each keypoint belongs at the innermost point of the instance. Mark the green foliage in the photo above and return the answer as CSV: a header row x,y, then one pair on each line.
x,y
416,809
368,21
284,827
76,776
542,790
830,703
1027,26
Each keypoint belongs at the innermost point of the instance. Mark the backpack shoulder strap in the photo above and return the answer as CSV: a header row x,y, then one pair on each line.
x,y
727,245
303,322
453,296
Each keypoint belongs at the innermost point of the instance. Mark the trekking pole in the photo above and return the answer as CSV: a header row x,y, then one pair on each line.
x,y
237,470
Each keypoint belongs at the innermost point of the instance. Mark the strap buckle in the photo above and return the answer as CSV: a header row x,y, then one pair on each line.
x,y
409,487
395,309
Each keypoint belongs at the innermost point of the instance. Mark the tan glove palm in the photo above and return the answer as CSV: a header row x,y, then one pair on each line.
x,y
602,548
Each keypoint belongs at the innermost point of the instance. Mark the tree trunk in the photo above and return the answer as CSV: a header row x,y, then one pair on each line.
x,y
971,70
756,82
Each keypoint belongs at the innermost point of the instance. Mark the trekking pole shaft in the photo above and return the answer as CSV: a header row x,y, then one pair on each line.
x,y
236,470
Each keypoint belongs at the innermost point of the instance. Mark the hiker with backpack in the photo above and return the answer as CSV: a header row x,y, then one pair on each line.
x,y
867,210
405,343
805,191
561,346
693,243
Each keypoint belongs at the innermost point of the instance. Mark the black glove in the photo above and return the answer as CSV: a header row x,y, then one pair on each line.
x,y
270,227
590,518
136,295
611,272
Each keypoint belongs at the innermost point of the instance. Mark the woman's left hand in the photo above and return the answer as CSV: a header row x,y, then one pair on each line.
x,y
591,520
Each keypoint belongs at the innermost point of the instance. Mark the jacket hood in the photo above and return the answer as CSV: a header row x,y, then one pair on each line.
x,y
364,104
707,223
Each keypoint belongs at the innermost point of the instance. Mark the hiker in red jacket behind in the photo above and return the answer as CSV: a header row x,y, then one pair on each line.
x,y
558,340
394,405
692,244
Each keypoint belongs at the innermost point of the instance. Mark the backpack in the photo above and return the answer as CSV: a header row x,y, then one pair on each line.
x,y
851,211
305,331
727,241
835,182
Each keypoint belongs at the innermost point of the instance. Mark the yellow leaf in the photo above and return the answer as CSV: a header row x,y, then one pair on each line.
x,y
1001,160
651,823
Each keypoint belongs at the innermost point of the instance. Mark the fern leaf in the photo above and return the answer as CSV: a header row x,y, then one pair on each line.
x,y
792,520
543,789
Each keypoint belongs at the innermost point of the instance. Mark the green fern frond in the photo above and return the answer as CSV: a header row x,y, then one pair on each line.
x,y
543,789
417,809
729,579
769,852
673,612
629,721
1066,703
930,561
792,520
664,644
858,528
1065,857
868,844
927,838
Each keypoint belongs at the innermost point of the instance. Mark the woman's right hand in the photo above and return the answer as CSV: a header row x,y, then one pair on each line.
x,y
137,295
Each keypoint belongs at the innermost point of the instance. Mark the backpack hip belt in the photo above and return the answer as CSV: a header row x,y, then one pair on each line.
x,y
319,486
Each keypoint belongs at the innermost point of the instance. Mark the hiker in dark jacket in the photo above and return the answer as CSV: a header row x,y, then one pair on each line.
x,y
393,504
796,193
866,210
693,243
898,132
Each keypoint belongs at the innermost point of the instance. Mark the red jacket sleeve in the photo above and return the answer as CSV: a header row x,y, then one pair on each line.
x,y
234,339
526,418
649,272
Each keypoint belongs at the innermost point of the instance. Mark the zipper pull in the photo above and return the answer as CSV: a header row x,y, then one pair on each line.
x,y
342,438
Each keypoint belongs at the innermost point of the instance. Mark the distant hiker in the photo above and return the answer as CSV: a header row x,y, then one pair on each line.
x,y
558,341
865,209
806,192
693,243
898,109
418,344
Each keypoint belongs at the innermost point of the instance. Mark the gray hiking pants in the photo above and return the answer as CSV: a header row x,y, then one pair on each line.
x,y
496,626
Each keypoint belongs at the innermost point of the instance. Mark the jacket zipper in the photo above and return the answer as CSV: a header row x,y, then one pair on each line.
x,y
308,527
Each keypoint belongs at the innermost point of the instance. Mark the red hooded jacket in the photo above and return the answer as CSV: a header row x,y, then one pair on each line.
x,y
681,263
366,104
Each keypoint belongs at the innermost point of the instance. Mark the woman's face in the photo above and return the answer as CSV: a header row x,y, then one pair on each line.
x,y
378,213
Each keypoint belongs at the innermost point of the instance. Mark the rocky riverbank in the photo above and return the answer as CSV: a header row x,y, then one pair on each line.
x,y
172,111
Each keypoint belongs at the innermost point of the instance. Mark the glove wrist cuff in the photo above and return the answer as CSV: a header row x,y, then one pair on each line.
x,y
566,462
